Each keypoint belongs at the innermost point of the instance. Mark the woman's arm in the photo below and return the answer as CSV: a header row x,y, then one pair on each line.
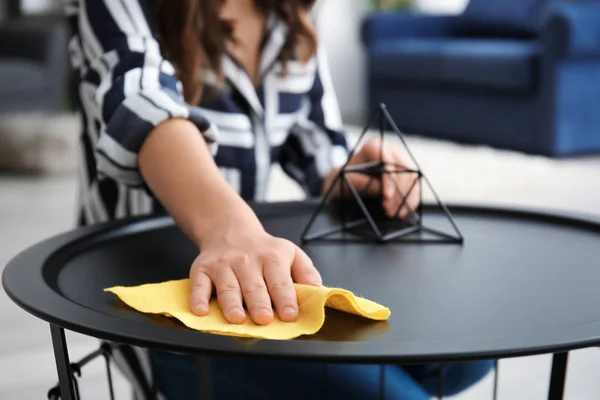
x,y
177,166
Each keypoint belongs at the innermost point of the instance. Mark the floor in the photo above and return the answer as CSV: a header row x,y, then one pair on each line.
x,y
33,208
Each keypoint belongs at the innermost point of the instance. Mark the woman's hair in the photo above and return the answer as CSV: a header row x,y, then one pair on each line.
x,y
194,36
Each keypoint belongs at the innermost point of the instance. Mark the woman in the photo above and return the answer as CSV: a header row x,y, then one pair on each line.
x,y
164,82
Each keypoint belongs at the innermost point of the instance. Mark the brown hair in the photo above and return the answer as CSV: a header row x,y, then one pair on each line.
x,y
193,35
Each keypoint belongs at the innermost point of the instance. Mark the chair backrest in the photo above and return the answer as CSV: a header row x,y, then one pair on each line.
x,y
515,18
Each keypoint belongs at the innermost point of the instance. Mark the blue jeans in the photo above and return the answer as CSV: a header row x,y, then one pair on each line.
x,y
261,380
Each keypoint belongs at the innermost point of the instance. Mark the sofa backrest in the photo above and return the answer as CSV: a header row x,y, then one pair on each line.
x,y
514,18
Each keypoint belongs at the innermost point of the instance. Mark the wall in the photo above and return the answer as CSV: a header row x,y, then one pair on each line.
x,y
441,6
30,7
39,6
339,29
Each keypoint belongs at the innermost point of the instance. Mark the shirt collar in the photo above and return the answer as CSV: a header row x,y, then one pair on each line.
x,y
276,36
274,41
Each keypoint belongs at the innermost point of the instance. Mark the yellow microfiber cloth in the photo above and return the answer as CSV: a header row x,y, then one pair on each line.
x,y
172,299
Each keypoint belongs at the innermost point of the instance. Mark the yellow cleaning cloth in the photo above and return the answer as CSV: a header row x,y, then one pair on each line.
x,y
172,299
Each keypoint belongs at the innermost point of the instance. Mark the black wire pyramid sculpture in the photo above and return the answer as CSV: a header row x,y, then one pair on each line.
x,y
362,219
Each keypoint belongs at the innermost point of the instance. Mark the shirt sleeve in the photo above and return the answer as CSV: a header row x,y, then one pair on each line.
x,y
316,145
131,88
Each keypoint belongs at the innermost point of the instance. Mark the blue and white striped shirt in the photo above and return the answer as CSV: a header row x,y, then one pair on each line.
x,y
126,88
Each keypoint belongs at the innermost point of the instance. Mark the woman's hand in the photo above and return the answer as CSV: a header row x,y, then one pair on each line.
x,y
245,264
393,193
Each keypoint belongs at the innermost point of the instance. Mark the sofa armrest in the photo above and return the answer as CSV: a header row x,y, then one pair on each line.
x,y
42,41
572,30
385,25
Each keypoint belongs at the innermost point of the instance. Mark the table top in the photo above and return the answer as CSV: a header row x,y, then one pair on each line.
x,y
522,283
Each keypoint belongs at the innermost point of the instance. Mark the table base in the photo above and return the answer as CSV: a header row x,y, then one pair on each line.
x,y
67,387
63,366
558,376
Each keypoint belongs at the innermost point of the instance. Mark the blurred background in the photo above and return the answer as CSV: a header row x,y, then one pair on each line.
x,y
499,99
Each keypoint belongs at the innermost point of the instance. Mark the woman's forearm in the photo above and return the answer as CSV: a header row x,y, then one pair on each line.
x,y
177,166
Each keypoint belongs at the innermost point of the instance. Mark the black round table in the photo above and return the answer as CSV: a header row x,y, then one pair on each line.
x,y
523,283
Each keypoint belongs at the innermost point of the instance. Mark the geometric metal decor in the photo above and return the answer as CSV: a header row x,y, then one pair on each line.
x,y
357,217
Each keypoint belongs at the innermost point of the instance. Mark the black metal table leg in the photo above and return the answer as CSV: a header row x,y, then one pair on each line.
x,y
441,383
558,376
382,382
496,372
205,378
325,381
63,365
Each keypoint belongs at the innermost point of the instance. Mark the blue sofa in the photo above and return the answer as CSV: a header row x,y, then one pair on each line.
x,y
514,74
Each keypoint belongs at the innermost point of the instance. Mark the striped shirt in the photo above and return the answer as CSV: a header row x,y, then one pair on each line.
x,y
126,88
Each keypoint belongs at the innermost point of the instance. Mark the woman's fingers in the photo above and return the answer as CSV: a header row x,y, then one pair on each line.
x,y
303,269
254,290
281,287
414,197
401,187
389,181
201,288
364,184
389,188
410,193
229,294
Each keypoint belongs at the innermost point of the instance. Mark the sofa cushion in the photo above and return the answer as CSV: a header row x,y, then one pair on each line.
x,y
501,17
483,63
18,76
